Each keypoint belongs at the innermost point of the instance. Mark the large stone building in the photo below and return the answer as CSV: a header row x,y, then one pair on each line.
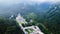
x,y
27,30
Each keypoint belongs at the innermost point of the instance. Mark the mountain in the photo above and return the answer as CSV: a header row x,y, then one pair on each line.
x,y
7,10
25,8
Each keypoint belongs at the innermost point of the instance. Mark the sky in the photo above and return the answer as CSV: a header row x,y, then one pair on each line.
x,y
21,1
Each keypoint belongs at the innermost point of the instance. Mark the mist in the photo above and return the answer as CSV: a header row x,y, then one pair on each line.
x,y
8,2
13,6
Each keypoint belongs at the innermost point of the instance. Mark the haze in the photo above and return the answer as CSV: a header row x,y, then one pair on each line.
x,y
22,1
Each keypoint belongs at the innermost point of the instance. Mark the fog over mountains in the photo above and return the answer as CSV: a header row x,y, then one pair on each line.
x,y
24,7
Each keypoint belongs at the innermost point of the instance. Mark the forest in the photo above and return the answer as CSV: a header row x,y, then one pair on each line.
x,y
48,19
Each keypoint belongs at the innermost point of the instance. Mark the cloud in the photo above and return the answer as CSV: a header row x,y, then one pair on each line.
x,y
27,1
40,1
9,1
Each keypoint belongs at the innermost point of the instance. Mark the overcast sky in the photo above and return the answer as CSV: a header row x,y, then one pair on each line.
x,y
21,1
